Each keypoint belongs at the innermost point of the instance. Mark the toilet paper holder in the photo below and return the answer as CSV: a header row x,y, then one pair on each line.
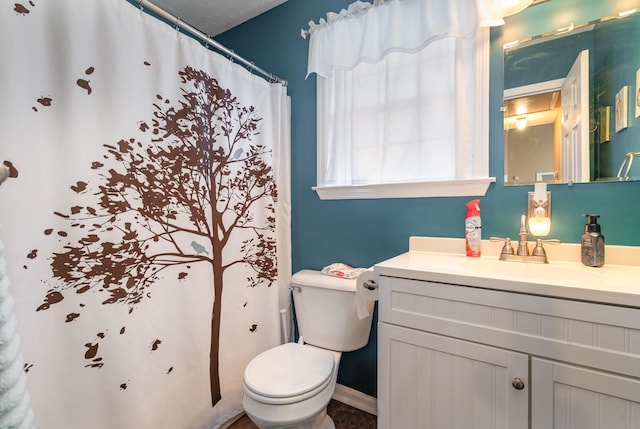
x,y
370,284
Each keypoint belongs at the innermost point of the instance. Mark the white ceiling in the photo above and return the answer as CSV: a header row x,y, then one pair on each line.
x,y
213,17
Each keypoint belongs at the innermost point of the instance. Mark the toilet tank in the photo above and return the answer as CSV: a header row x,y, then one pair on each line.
x,y
326,311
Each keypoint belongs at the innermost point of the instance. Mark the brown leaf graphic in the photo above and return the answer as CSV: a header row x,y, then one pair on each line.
x,y
21,9
13,171
51,298
89,71
155,345
83,289
116,295
45,101
92,350
84,84
72,316
33,254
79,187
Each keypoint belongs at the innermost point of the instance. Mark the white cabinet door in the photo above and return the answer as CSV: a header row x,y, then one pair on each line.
x,y
428,381
570,397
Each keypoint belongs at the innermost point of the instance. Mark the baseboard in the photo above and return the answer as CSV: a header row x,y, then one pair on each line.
x,y
356,399
232,420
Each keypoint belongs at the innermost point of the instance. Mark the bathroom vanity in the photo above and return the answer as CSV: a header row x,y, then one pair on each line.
x,y
482,343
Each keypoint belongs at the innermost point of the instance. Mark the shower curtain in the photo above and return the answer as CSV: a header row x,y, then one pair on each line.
x,y
147,222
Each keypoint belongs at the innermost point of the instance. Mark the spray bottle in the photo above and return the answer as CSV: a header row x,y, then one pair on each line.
x,y
473,228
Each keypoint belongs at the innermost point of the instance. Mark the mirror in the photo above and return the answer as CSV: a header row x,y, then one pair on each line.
x,y
572,104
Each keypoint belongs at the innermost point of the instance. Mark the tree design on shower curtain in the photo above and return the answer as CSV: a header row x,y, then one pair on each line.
x,y
173,201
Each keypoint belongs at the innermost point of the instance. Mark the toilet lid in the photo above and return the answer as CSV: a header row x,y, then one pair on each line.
x,y
289,370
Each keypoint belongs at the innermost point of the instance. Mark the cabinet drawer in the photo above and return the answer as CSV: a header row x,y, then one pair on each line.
x,y
584,333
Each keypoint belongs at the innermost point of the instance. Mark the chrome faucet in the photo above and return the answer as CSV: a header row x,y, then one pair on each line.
x,y
537,255
523,247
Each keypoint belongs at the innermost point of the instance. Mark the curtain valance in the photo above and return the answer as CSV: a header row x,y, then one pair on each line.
x,y
366,32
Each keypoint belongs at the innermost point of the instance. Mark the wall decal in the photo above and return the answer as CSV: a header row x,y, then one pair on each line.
x,y
622,103
638,93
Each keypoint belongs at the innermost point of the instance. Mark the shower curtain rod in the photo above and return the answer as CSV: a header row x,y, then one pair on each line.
x,y
209,41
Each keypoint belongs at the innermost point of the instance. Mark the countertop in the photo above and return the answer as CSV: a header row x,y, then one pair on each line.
x,y
443,260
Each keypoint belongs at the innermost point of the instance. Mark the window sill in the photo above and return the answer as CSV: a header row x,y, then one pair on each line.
x,y
441,188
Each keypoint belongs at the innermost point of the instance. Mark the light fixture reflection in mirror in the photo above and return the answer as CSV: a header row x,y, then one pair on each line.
x,y
539,209
511,7
521,122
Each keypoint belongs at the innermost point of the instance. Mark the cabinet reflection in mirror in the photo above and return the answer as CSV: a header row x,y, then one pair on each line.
x,y
572,104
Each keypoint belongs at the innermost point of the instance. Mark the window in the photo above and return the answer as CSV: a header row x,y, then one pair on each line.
x,y
407,120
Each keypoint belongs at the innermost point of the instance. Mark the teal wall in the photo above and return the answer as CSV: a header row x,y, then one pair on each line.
x,y
527,65
363,232
617,60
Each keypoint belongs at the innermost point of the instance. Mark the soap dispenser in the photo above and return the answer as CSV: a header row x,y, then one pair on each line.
x,y
592,243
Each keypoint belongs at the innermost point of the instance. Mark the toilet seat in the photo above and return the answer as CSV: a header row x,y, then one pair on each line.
x,y
288,373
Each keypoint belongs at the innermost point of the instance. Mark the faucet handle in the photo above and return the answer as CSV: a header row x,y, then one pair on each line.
x,y
539,250
507,249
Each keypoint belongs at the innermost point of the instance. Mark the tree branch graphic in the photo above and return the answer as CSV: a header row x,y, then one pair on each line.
x,y
198,185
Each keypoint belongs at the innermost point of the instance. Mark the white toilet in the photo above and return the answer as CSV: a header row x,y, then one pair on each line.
x,y
290,386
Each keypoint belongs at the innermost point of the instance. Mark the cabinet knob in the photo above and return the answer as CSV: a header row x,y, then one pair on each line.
x,y
518,384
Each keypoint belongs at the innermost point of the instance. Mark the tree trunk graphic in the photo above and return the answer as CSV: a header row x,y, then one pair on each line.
x,y
199,184
214,374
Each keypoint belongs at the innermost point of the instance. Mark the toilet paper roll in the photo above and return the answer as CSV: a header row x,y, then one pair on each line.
x,y
366,291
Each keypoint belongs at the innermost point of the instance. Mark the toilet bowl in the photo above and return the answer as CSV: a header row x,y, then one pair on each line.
x,y
290,386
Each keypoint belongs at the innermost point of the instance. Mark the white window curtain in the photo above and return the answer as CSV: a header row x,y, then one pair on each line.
x,y
402,85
